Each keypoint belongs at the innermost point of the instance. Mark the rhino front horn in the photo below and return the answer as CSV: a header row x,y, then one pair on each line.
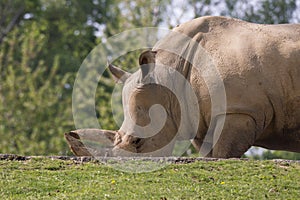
x,y
91,142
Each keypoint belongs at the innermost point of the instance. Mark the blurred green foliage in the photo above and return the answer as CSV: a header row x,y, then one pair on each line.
x,y
279,155
43,43
34,100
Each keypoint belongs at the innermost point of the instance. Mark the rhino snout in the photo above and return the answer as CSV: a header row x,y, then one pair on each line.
x,y
130,144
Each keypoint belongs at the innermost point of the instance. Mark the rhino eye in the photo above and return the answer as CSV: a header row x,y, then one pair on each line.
x,y
139,107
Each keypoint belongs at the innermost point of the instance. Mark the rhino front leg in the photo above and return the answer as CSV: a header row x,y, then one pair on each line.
x,y
237,136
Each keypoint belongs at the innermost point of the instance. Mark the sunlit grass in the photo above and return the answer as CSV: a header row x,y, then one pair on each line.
x,y
42,178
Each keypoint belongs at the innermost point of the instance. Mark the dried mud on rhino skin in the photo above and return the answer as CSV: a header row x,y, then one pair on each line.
x,y
175,160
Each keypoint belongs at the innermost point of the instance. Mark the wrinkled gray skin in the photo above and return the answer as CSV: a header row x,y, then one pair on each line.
x,y
260,69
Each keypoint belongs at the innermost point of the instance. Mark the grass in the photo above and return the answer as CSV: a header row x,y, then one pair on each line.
x,y
44,178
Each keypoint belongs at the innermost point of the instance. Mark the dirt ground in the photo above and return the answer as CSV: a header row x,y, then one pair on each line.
x,y
176,160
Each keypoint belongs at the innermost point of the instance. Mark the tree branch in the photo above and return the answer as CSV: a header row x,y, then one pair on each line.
x,y
12,23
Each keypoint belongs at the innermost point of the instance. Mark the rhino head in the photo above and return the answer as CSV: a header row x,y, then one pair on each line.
x,y
151,117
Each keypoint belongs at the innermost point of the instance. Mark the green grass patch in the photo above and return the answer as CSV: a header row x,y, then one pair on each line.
x,y
44,178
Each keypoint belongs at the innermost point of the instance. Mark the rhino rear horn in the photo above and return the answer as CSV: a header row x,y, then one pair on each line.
x,y
147,61
118,74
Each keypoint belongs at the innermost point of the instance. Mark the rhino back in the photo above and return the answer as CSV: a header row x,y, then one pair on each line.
x,y
259,65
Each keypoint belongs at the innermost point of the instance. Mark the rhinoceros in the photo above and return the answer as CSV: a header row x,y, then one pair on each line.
x,y
259,67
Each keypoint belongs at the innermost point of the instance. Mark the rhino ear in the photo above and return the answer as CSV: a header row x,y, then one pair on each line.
x,y
119,75
147,61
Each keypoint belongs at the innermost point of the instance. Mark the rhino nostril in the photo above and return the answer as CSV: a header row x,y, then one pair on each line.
x,y
137,141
